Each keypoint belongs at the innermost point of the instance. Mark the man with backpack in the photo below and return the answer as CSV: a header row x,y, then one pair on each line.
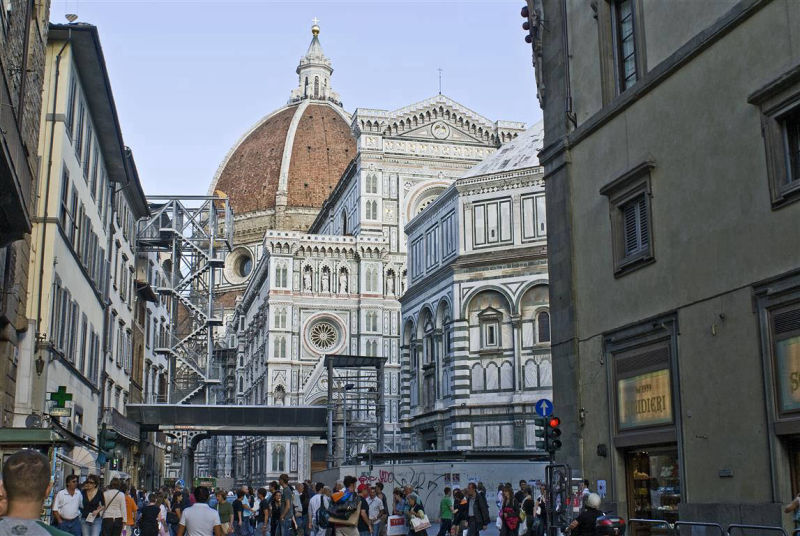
x,y
320,500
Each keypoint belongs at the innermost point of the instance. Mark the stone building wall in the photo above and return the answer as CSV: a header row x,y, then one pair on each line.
x,y
27,19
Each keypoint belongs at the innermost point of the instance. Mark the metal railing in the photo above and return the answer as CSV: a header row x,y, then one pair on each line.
x,y
688,528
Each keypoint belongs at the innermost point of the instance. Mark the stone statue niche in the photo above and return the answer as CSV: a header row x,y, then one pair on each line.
x,y
307,279
325,280
343,281
390,283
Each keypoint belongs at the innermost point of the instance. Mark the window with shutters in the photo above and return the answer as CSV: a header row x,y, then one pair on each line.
x,y
634,225
630,206
779,102
625,45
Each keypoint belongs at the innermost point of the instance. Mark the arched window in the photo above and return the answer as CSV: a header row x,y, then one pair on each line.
x,y
241,384
506,375
543,320
278,459
305,88
492,377
344,222
478,383
316,87
368,278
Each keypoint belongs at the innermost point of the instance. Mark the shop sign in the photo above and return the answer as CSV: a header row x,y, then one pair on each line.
x,y
787,355
644,400
60,412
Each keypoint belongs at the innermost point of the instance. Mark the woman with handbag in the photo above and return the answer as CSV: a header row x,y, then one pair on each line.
x,y
509,513
91,523
115,514
417,520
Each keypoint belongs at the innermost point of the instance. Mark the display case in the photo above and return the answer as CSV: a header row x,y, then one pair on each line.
x,y
654,485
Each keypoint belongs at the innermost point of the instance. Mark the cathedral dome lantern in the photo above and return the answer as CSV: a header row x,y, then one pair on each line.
x,y
283,169
314,72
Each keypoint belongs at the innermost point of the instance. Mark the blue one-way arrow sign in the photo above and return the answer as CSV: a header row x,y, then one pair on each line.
x,y
544,407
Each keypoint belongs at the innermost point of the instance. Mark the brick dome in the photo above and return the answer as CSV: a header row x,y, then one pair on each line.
x,y
291,159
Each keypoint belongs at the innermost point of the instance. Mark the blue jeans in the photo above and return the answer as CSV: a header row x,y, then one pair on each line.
x,y
286,525
73,526
302,525
376,528
92,529
245,529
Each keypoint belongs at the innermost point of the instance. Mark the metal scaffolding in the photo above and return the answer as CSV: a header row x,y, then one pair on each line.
x,y
197,232
355,406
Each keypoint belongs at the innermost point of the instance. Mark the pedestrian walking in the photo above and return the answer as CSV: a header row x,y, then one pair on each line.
x,y
400,504
346,495
520,494
25,485
301,496
540,523
382,496
459,513
364,521
151,512
415,510
273,519
321,499
276,505
445,513
794,509
509,513
225,511
261,512
287,515
115,511
200,519
91,505
477,510
67,507
377,512
130,509
527,510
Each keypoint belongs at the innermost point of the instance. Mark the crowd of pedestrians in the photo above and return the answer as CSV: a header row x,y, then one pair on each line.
x,y
280,509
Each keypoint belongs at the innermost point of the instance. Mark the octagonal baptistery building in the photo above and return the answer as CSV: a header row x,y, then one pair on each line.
x,y
281,171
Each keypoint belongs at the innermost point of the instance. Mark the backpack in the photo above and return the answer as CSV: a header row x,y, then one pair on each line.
x,y
323,514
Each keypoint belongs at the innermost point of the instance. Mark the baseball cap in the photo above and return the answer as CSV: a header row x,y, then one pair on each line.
x,y
362,487
230,494
180,483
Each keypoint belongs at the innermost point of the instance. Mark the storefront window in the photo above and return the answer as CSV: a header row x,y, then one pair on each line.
x,y
654,486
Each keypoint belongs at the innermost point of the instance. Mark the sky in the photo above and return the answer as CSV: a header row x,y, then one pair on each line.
x,y
191,77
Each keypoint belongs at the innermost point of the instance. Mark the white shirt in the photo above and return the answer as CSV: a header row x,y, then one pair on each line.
x,y
68,506
375,508
200,520
314,505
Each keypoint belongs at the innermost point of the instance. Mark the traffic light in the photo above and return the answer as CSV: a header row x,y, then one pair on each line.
x,y
553,434
107,440
541,424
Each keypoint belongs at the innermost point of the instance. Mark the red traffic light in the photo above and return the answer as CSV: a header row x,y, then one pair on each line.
x,y
554,422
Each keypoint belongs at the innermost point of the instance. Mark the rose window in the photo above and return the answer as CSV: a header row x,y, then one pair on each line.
x,y
323,335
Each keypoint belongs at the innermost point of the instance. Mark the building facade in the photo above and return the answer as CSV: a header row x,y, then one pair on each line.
x,y
332,287
476,324
672,183
81,275
23,38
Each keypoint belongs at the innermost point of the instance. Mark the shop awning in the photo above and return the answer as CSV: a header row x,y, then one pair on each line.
x,y
24,437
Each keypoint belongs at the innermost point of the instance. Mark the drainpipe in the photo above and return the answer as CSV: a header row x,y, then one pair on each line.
x,y
44,220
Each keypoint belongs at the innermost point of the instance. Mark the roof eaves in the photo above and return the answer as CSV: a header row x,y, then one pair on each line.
x,y
91,66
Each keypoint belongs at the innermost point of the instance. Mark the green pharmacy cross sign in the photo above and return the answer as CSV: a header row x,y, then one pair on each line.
x,y
61,396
